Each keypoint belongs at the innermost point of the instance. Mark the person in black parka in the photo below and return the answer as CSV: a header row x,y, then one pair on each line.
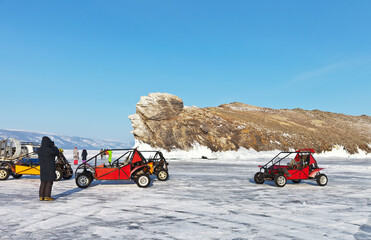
x,y
47,153
84,154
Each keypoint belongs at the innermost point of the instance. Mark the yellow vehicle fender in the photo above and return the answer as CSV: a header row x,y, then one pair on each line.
x,y
28,170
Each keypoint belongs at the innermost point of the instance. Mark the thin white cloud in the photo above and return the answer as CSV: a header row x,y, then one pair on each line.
x,y
312,75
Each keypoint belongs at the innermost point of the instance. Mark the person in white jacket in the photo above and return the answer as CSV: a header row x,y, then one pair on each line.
x,y
75,155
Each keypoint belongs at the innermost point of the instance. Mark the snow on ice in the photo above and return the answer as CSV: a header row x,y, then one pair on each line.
x,y
203,199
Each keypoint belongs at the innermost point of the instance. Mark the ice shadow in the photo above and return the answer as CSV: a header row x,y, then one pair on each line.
x,y
308,182
269,183
68,192
115,182
289,182
111,182
11,178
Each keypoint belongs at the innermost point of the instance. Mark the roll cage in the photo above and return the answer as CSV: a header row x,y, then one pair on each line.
x,y
303,157
117,169
157,157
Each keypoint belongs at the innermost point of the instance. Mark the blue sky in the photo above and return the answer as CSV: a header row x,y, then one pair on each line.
x,y
79,67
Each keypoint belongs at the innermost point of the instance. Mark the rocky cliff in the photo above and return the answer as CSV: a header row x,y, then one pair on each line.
x,y
162,121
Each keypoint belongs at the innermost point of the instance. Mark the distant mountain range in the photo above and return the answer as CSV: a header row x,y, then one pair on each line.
x,y
66,142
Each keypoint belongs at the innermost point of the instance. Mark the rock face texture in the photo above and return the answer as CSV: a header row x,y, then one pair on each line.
x,y
162,121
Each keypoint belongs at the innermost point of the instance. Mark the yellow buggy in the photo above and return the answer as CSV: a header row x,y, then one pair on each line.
x,y
31,166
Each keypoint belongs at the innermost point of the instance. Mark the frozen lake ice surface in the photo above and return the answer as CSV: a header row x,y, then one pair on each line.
x,y
203,199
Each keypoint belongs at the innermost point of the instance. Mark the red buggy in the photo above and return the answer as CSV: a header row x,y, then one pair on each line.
x,y
129,165
280,169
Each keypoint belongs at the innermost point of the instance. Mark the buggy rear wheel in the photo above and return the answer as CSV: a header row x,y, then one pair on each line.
x,y
162,175
83,180
58,175
4,174
280,180
143,180
258,178
296,181
15,175
322,179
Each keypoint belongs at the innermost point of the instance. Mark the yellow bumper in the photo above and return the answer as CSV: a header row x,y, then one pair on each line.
x,y
34,170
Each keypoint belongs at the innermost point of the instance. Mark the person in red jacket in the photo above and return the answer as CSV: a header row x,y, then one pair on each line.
x,y
75,156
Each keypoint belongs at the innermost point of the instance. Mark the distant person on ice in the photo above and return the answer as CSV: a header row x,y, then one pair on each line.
x,y
47,153
75,156
84,154
61,155
109,153
101,154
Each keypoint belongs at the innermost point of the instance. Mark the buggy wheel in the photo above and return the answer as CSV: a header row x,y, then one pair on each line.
x,y
296,181
16,175
143,180
322,179
4,174
258,178
162,175
67,175
135,180
280,180
83,180
58,175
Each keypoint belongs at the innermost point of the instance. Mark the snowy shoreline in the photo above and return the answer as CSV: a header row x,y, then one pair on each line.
x,y
199,151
